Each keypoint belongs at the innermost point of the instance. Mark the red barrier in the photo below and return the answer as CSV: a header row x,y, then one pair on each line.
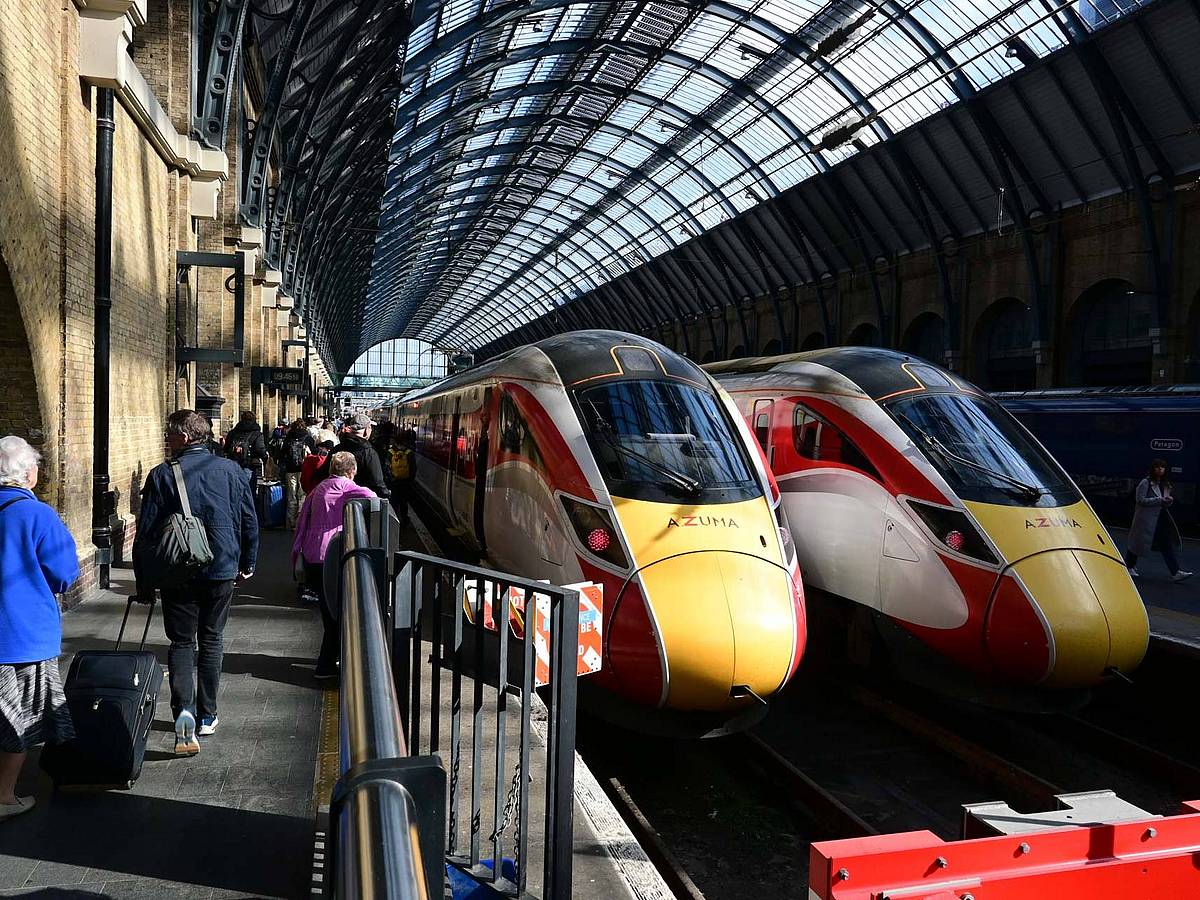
x,y
1149,857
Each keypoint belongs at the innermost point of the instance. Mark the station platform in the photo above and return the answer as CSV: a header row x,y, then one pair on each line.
x,y
237,820
234,821
1174,606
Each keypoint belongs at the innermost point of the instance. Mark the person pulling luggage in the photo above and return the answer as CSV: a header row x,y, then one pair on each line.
x,y
38,559
218,494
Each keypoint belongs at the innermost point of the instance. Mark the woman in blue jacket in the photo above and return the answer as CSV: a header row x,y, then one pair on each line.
x,y
37,560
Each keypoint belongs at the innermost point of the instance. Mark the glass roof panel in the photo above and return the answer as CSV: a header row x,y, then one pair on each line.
x,y
647,123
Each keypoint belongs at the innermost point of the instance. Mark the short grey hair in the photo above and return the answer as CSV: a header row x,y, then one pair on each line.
x,y
190,424
343,463
17,460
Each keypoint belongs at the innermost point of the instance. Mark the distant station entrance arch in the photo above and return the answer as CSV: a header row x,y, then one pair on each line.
x,y
399,365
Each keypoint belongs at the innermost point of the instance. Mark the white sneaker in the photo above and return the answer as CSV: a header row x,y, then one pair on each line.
x,y
1181,575
208,725
186,743
23,804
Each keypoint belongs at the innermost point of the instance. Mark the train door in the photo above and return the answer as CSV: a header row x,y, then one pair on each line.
x,y
452,461
836,507
482,453
761,423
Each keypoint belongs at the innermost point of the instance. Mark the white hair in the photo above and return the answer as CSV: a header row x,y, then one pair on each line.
x,y
17,460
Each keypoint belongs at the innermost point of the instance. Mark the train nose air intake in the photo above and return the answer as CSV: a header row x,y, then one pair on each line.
x,y
1089,620
727,625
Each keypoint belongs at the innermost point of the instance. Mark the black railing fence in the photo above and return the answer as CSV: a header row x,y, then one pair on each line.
x,y
412,632
440,641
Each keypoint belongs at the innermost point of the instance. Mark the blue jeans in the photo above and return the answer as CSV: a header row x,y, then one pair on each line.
x,y
194,619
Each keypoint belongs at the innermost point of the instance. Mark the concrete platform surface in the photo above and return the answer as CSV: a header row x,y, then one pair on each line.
x,y
1174,606
234,821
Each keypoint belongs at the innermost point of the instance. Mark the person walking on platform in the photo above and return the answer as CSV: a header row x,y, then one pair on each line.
x,y
38,559
401,470
313,462
219,494
297,445
1153,527
355,440
245,446
320,520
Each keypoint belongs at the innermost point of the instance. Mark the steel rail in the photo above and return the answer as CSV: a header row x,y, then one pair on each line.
x,y
378,848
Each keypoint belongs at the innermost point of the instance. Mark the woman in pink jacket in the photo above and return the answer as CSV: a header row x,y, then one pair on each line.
x,y
320,519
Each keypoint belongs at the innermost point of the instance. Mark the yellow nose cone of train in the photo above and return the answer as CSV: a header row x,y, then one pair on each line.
x,y
726,620
720,597
1083,593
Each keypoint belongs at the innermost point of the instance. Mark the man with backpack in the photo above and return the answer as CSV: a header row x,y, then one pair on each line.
x,y
194,490
245,446
297,444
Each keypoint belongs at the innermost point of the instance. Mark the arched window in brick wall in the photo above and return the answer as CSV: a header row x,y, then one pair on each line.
x,y
814,341
1002,348
1107,336
864,335
926,337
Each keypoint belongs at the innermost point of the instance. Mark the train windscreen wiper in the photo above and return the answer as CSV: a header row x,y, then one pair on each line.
x,y
1026,489
604,429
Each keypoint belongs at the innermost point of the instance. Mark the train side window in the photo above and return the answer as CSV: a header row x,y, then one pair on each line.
x,y
762,422
515,436
818,440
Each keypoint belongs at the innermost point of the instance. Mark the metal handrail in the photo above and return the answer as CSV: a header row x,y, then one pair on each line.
x,y
378,848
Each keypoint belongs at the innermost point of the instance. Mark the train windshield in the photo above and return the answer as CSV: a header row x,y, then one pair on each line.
x,y
667,442
983,453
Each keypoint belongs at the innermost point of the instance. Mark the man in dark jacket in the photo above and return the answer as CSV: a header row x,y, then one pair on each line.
x,y
245,446
355,439
219,496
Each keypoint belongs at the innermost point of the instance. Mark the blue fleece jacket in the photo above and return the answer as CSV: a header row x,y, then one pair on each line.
x,y
38,559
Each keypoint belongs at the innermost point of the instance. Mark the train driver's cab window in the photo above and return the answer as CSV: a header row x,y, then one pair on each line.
x,y
820,441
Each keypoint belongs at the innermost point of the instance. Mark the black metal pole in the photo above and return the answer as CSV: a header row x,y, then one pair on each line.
x,y
102,499
306,402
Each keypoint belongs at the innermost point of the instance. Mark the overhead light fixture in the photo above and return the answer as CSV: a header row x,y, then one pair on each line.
x,y
1015,48
750,195
667,125
749,50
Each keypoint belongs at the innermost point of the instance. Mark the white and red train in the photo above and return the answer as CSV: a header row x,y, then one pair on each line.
x,y
915,496
606,457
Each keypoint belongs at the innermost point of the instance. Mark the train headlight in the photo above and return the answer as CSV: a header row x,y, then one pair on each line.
x,y
954,530
599,539
595,530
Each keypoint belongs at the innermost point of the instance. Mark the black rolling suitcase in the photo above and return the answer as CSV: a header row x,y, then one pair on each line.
x,y
111,695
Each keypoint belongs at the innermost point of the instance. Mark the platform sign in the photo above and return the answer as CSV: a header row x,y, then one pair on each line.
x,y
591,623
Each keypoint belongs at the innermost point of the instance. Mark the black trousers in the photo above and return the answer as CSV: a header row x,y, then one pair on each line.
x,y
331,640
194,619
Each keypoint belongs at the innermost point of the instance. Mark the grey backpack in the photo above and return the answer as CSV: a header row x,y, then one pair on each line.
x,y
181,550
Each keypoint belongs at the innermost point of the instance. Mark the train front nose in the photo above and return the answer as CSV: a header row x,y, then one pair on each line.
x,y
727,621
1088,621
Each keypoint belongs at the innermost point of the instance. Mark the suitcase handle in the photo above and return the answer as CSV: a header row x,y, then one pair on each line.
x,y
125,619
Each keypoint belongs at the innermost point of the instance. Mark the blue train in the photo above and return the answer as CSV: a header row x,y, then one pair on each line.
x,y
1106,437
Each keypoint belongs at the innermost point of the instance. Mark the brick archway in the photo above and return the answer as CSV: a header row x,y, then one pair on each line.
x,y
20,411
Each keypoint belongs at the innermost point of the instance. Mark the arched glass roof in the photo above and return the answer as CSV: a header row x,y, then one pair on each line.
x,y
543,149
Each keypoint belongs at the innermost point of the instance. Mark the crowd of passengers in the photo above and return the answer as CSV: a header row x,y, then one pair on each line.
x,y
223,483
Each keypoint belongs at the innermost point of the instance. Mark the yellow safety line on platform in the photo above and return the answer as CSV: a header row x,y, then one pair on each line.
x,y
327,751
